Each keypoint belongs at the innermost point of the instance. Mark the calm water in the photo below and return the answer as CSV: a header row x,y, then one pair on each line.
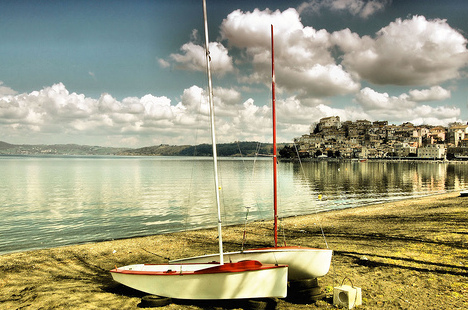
x,y
53,201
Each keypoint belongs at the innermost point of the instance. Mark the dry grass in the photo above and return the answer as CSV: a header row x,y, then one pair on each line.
x,y
416,250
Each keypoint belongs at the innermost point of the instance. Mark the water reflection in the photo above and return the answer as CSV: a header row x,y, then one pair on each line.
x,y
52,201
379,180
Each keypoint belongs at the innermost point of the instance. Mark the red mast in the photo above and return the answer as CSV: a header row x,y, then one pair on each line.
x,y
275,162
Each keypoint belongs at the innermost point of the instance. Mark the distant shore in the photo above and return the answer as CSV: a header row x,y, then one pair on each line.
x,y
247,149
408,254
386,159
234,149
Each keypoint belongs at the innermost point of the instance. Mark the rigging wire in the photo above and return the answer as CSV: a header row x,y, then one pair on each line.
x,y
198,129
303,172
245,229
257,149
281,219
164,257
192,172
334,277
257,153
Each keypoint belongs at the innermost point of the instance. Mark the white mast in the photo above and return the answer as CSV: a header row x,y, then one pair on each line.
x,y
275,160
213,134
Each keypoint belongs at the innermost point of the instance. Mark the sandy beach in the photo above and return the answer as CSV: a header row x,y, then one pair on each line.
x,y
409,254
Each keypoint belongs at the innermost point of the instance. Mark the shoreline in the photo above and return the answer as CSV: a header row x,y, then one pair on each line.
x,y
352,205
398,252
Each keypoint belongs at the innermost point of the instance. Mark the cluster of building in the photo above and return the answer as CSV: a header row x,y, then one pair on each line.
x,y
365,139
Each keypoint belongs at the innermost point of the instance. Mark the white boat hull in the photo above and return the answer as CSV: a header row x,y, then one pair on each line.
x,y
206,281
303,263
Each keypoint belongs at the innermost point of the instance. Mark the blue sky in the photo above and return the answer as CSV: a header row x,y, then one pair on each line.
x,y
131,73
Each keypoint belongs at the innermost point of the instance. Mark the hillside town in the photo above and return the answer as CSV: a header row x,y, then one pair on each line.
x,y
364,139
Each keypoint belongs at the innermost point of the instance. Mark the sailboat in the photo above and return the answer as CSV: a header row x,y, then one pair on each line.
x,y
207,281
303,262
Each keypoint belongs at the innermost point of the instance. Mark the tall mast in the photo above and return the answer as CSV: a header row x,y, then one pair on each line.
x,y
213,134
275,162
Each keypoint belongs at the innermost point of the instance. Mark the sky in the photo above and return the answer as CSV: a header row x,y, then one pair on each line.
x,y
133,73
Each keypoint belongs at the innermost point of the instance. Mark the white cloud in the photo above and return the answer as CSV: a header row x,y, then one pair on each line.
x,y
157,108
226,101
193,58
294,118
371,100
437,114
407,52
12,110
415,51
318,81
5,91
435,93
251,121
372,7
251,30
310,71
163,63
74,118
195,101
362,8
405,108
55,110
303,60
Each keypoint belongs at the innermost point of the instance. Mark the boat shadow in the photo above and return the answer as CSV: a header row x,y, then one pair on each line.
x,y
245,304
373,260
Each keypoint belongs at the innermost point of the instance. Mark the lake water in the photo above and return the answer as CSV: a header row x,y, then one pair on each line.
x,y
52,201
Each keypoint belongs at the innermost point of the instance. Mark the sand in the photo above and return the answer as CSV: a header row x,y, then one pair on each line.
x,y
409,254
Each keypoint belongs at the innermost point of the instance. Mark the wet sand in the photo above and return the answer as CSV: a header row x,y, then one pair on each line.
x,y
410,254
